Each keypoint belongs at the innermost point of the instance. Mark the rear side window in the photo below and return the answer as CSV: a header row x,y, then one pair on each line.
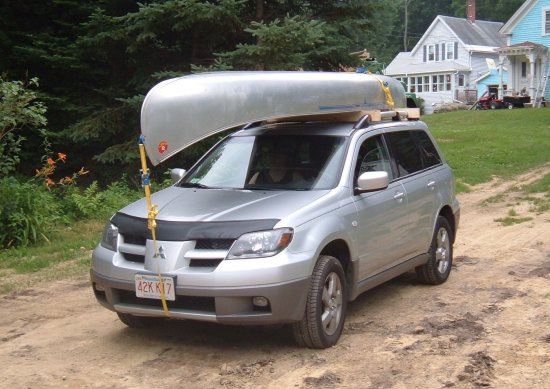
x,y
428,152
412,151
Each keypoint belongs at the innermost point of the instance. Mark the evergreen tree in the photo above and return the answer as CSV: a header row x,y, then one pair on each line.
x,y
96,59
494,10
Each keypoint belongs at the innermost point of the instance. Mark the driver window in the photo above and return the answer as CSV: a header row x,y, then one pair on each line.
x,y
372,157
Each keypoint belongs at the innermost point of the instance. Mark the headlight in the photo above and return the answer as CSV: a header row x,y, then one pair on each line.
x,y
110,237
261,244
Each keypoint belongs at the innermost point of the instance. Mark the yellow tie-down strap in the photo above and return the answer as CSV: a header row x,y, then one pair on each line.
x,y
387,92
152,211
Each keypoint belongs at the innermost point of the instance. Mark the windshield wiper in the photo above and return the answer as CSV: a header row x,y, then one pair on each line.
x,y
193,185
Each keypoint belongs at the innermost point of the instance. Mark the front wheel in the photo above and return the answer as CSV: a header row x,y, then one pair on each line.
x,y
326,306
437,269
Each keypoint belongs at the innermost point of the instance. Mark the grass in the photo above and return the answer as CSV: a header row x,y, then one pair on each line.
x,y
481,144
513,218
68,254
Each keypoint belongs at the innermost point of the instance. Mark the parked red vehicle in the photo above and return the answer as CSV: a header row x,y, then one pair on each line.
x,y
490,101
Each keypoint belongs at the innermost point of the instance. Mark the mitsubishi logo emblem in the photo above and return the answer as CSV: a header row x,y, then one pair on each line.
x,y
160,253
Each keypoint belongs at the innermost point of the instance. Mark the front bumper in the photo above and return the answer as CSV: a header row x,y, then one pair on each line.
x,y
227,305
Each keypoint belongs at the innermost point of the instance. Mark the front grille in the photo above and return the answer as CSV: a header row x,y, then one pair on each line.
x,y
214,244
134,239
134,257
204,262
192,303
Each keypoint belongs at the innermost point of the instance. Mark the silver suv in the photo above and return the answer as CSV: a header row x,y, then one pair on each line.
x,y
284,223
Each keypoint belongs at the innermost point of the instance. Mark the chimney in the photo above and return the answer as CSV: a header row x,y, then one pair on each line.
x,y
471,11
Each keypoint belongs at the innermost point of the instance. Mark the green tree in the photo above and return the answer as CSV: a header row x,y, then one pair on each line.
x,y
321,37
96,59
281,45
20,113
126,55
494,10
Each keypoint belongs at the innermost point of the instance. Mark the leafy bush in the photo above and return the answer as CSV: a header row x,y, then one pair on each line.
x,y
28,212
92,202
18,110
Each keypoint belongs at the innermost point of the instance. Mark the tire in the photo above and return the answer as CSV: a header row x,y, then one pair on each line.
x,y
133,321
437,269
510,106
326,306
493,106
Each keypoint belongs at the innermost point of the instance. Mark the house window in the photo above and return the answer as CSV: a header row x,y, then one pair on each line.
x,y
434,83
412,84
426,85
524,69
546,22
419,84
431,53
461,80
449,51
448,82
441,83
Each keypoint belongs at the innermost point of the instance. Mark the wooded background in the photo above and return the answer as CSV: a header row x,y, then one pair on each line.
x,y
95,60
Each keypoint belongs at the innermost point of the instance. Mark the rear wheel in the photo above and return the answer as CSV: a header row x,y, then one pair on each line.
x,y
326,306
437,269
133,321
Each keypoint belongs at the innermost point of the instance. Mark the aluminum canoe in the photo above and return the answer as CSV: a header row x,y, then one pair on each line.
x,y
181,111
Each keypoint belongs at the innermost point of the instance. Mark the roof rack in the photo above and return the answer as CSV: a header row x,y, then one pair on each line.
x,y
360,118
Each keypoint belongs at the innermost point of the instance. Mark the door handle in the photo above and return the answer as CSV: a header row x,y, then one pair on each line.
x,y
431,185
399,196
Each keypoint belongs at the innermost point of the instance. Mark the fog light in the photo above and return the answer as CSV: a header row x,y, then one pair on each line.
x,y
260,301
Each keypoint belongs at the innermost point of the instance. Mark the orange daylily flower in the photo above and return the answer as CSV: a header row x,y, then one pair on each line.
x,y
66,180
62,156
50,162
49,182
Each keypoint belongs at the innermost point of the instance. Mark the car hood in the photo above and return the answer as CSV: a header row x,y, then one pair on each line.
x,y
218,205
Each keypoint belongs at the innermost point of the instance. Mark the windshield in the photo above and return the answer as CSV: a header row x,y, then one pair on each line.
x,y
296,162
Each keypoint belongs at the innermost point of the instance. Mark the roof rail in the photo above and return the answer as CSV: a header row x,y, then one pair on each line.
x,y
364,121
251,124
357,117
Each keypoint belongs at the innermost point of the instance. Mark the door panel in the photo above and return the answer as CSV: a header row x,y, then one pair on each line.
x,y
381,215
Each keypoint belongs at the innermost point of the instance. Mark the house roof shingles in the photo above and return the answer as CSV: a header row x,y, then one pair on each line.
x,y
480,33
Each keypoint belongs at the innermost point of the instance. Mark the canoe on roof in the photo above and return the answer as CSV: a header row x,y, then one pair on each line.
x,y
179,112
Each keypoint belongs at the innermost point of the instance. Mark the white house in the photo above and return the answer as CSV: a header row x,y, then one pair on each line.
x,y
526,52
450,56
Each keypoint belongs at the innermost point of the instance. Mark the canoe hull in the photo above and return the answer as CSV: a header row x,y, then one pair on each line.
x,y
179,112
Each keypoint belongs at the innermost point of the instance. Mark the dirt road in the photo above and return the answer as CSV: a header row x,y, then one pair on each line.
x,y
488,326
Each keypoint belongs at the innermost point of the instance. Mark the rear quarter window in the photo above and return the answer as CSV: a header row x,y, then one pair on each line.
x,y
412,151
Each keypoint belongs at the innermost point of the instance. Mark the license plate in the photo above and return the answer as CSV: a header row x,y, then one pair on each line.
x,y
148,286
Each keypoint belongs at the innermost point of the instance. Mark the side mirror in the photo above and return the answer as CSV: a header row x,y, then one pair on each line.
x,y
177,174
372,181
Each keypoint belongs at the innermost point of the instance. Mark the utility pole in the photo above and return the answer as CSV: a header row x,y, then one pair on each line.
x,y
405,33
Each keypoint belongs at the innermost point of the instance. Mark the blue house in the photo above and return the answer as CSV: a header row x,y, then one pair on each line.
x,y
489,82
527,51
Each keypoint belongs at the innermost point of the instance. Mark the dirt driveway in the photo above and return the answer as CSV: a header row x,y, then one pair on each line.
x,y
489,325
